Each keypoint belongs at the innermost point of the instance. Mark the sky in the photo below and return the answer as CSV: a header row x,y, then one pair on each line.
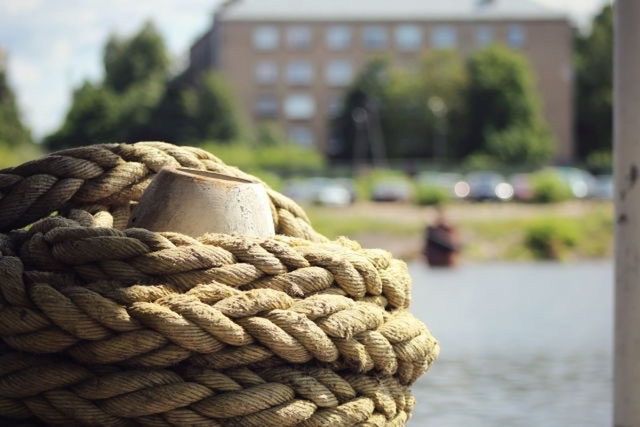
x,y
54,45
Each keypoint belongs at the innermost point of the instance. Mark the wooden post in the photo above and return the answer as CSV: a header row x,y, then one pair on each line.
x,y
627,250
195,202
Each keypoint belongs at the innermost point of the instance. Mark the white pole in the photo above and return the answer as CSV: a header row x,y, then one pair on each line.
x,y
627,249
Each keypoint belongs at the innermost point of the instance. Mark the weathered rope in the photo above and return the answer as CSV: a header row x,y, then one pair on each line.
x,y
122,326
59,392
114,175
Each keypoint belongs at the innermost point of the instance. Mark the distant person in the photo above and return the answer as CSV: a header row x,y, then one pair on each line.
x,y
442,242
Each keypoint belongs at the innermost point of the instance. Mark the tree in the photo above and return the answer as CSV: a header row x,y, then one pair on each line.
x,y
136,108
92,119
505,117
122,105
13,132
443,80
192,112
138,100
399,107
593,59
216,116
141,58
361,111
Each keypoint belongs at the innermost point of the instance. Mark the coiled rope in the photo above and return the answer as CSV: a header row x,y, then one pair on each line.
x,y
104,325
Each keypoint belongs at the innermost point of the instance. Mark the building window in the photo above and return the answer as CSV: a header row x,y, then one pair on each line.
x,y
266,37
299,37
301,135
374,37
408,37
266,72
266,106
299,106
338,37
339,72
334,106
516,36
484,35
299,73
444,37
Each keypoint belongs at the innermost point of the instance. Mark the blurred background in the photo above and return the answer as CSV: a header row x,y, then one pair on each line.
x,y
488,120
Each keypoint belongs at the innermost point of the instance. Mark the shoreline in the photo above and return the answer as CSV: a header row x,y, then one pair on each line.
x,y
490,231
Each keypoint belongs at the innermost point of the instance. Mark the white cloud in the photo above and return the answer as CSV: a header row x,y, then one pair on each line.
x,y
54,46
23,72
20,7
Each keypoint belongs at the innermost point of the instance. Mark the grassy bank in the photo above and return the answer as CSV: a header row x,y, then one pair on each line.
x,y
572,230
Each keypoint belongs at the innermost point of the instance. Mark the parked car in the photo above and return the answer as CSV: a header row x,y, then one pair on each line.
x,y
603,187
488,186
334,194
522,187
447,181
392,190
323,191
580,182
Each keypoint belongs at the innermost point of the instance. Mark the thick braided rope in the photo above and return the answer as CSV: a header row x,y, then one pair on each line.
x,y
262,322
59,392
282,317
111,176
292,265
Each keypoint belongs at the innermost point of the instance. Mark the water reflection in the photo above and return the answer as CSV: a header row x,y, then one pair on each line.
x,y
523,344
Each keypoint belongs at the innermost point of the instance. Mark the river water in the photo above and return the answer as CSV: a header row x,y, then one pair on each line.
x,y
522,344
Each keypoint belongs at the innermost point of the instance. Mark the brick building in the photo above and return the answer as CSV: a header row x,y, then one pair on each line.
x,y
290,61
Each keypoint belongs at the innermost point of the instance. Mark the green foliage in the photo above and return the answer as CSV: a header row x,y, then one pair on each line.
x,y
120,107
549,187
479,162
272,179
519,145
91,119
431,195
284,158
135,101
487,237
399,109
13,156
448,109
367,93
135,109
593,76
195,111
552,238
444,76
270,134
128,62
504,111
215,116
600,162
13,133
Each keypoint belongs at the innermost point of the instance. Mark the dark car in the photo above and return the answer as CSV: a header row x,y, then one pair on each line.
x,y
488,186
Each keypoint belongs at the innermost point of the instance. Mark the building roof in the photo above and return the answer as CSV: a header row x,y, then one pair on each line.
x,y
360,10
